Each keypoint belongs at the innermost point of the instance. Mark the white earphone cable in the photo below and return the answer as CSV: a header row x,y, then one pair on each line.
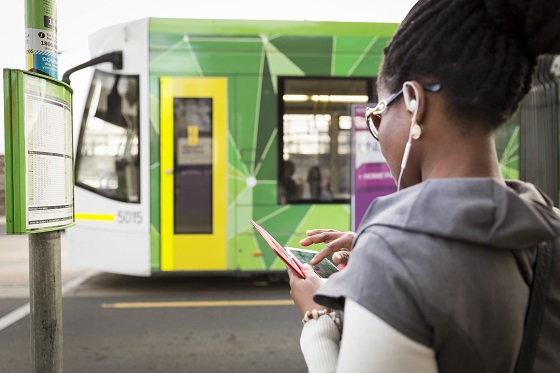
x,y
409,141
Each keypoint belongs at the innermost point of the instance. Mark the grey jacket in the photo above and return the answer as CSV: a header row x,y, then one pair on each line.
x,y
449,263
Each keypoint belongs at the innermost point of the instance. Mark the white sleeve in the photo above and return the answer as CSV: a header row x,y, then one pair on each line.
x,y
369,344
319,343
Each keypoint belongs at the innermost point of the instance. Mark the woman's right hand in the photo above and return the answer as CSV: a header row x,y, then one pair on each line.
x,y
334,240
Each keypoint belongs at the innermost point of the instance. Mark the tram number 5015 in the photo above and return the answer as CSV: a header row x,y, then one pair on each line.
x,y
129,217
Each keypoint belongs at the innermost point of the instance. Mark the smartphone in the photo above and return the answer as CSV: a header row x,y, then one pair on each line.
x,y
324,268
294,258
289,259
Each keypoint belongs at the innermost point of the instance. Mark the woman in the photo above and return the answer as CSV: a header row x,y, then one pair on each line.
x,y
440,272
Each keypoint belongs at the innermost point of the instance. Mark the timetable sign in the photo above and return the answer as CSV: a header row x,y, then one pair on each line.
x,y
39,153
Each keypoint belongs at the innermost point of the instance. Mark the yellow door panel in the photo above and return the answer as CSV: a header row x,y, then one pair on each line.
x,y
193,160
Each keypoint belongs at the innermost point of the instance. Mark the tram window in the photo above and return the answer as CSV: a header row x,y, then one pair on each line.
x,y
315,127
193,165
108,159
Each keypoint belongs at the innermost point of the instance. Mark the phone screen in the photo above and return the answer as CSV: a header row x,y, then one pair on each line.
x,y
324,268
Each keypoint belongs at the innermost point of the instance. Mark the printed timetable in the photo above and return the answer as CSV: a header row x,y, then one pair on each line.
x,y
48,121
39,153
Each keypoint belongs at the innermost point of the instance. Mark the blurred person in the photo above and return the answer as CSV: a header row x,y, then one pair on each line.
x,y
318,186
440,273
314,180
288,188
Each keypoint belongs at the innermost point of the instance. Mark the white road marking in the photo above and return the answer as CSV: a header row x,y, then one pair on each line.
x,y
24,310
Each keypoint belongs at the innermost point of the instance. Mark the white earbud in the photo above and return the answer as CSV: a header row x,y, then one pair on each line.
x,y
412,105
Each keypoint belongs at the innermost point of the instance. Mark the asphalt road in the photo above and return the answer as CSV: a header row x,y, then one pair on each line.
x,y
115,323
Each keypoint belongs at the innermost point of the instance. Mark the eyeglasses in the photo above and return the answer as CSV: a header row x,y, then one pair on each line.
x,y
373,115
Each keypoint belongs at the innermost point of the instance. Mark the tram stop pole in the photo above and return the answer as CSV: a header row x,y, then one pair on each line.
x,y
46,302
45,288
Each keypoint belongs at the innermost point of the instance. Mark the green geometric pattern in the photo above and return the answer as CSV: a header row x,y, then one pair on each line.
x,y
251,55
507,146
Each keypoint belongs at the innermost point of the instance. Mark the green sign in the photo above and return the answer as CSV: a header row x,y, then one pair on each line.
x,y
39,153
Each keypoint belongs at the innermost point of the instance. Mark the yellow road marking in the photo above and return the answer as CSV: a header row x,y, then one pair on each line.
x,y
218,303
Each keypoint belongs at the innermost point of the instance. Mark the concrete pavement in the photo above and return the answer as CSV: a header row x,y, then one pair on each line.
x,y
14,276
14,265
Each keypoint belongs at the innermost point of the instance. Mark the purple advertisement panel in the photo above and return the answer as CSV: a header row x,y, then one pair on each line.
x,y
372,180
371,176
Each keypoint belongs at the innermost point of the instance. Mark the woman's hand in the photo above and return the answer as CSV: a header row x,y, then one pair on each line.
x,y
341,257
303,289
335,241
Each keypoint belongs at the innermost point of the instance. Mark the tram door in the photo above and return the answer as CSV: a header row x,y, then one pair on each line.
x,y
193,160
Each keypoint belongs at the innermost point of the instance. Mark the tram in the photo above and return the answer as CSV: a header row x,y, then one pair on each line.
x,y
211,123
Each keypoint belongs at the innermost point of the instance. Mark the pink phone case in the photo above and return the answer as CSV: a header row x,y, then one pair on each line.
x,y
282,253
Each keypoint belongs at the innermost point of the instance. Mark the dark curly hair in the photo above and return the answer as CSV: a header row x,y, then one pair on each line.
x,y
482,52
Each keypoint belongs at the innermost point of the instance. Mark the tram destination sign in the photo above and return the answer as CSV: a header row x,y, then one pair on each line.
x,y
38,154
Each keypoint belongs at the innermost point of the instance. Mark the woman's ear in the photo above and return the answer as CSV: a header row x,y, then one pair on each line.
x,y
415,99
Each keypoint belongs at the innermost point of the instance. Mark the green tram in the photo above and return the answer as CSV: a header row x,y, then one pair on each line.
x,y
211,123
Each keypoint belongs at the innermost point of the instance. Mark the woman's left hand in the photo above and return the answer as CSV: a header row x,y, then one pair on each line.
x,y
303,289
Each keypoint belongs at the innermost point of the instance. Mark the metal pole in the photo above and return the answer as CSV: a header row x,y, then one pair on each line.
x,y
45,291
41,37
45,287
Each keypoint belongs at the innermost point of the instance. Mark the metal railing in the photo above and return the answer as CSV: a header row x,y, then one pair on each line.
x,y
540,122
